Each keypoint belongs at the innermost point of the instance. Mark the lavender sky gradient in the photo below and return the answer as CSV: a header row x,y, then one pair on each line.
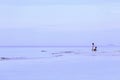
x,y
61,22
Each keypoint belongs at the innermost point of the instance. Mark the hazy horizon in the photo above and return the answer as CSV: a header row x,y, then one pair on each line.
x,y
62,22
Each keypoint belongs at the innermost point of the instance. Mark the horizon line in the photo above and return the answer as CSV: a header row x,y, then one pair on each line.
x,y
44,46
56,45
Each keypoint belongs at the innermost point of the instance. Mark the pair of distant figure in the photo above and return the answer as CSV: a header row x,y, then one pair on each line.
x,y
94,48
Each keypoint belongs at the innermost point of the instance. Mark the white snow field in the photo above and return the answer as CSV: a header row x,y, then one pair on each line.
x,y
65,65
62,68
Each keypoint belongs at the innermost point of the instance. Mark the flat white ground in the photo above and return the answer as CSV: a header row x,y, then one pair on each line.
x,y
75,67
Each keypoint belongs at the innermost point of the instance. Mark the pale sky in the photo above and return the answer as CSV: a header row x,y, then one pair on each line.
x,y
61,22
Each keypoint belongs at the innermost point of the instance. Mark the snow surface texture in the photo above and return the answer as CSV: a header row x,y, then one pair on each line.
x,y
62,68
61,65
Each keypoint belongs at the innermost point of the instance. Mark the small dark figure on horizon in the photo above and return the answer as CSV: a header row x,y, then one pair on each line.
x,y
94,48
92,44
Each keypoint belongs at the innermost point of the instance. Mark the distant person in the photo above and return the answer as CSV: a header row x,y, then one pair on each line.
x,y
94,48
93,45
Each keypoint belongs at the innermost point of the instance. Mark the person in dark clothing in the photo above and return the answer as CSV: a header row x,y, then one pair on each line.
x,y
94,48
